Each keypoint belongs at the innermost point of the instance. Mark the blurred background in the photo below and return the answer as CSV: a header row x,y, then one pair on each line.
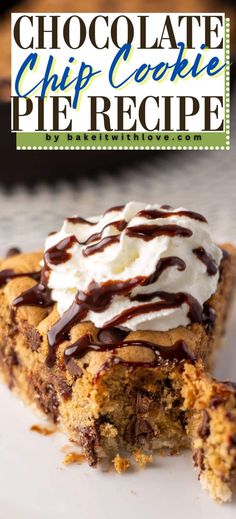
x,y
38,189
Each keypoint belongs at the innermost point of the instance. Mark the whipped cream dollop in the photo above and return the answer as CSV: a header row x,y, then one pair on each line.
x,y
137,266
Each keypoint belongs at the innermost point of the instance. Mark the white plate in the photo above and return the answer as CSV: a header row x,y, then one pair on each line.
x,y
35,485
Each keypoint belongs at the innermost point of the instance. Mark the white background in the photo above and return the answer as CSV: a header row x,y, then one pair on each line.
x,y
101,60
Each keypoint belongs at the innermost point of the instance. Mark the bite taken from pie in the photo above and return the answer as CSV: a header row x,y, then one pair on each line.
x,y
112,332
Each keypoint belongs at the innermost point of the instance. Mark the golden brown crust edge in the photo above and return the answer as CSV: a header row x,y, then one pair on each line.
x,y
211,406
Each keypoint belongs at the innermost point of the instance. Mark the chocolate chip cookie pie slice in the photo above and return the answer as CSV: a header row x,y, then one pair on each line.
x,y
211,409
97,331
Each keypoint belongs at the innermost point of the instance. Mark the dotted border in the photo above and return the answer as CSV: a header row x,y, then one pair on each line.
x,y
185,148
227,83
126,148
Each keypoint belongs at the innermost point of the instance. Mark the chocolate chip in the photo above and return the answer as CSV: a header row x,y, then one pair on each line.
x,y
136,427
112,336
34,338
74,369
46,396
52,401
8,360
204,428
216,401
129,434
12,358
13,251
142,427
198,458
143,402
65,390
90,441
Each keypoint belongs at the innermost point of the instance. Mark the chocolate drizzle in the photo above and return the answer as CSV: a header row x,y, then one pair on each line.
x,y
168,300
209,316
38,295
8,274
80,220
102,243
115,208
207,259
162,265
148,232
59,332
98,299
152,214
58,253
178,351
120,225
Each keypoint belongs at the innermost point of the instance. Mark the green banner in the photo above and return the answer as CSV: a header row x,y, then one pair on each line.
x,y
126,140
